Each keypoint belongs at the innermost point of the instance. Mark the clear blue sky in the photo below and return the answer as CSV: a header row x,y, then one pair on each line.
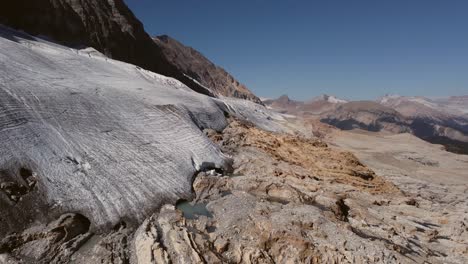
x,y
358,49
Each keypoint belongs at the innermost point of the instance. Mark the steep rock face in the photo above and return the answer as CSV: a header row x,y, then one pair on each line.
x,y
283,104
110,27
193,64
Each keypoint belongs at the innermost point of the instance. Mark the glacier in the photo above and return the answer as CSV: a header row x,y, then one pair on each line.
x,y
83,133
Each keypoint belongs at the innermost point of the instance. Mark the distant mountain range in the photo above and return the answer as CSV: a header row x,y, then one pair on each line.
x,y
316,105
441,121
419,106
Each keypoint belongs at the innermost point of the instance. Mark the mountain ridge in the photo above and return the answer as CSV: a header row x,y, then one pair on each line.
x,y
110,27
194,64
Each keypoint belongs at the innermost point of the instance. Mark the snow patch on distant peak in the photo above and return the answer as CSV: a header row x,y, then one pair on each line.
x,y
335,100
263,99
423,101
398,99
386,98
330,98
91,52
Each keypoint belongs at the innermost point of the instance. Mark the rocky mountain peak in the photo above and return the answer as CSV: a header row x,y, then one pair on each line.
x,y
284,98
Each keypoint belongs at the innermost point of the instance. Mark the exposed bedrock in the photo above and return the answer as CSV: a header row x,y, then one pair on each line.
x,y
288,200
54,243
293,200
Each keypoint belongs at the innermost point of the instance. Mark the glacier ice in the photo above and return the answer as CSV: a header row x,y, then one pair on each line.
x,y
104,138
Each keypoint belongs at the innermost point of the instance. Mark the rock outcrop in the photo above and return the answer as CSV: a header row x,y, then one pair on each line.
x,y
110,27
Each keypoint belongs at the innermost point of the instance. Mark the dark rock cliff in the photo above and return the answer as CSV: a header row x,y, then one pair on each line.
x,y
109,26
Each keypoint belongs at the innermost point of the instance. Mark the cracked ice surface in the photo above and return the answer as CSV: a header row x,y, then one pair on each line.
x,y
104,138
